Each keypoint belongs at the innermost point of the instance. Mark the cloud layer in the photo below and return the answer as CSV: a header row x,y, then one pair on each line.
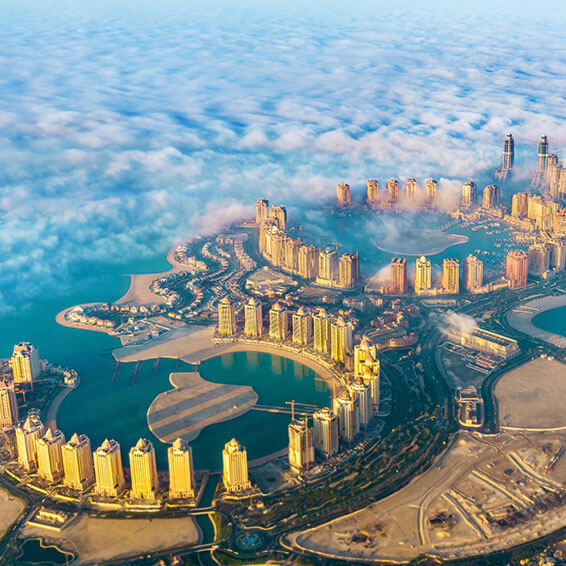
x,y
127,126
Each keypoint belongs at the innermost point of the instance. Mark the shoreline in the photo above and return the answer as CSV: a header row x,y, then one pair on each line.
x,y
521,318
51,415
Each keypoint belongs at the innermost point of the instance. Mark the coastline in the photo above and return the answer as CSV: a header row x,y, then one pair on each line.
x,y
521,317
51,416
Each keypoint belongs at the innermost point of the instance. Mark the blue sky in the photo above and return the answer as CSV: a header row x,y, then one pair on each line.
x,y
125,126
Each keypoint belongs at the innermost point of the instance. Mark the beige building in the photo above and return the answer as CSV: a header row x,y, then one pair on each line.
x,y
490,197
451,276
50,456
261,210
308,261
367,367
8,405
520,205
108,469
469,194
78,464
181,471
372,192
235,467
347,410
253,318
325,432
340,339
393,191
488,342
27,436
398,284
431,191
538,259
411,189
423,275
301,446
145,483
557,250
349,270
343,194
517,268
302,327
25,363
226,317
279,213
361,392
291,254
328,265
321,331
278,322
473,273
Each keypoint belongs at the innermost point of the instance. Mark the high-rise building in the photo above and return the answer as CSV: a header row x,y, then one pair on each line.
x,y
308,261
517,269
469,191
181,471
279,213
226,317
50,456
348,413
372,192
253,318
542,211
302,327
27,436
431,191
343,194
265,230
490,197
145,483
538,259
557,254
321,331
78,464
291,254
361,392
398,283
542,154
325,432
261,210
520,205
25,363
393,191
553,174
411,189
108,469
341,339
367,367
473,273
235,467
278,322
275,246
301,446
328,265
8,405
423,275
451,276
508,153
559,224
349,270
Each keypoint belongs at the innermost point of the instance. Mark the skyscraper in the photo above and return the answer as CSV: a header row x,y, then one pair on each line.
x,y
25,363
78,464
361,392
348,413
542,154
253,316
108,469
8,405
557,254
473,273
411,189
538,259
308,261
393,191
328,265
278,322
508,153
469,190
490,197
279,213
321,330
451,276
181,471
50,456
291,254
226,317
520,205
423,275
367,367
349,270
27,436
343,194
261,210
325,432
372,192
516,269
301,446
235,467
145,483
431,188
341,339
398,283
302,327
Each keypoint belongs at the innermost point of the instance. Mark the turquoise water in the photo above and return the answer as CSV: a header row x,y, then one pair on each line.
x,y
553,321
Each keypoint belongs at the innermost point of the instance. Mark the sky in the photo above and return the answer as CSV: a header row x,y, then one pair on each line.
x,y
126,127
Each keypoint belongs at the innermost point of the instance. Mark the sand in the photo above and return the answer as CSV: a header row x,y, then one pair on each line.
x,y
10,508
97,540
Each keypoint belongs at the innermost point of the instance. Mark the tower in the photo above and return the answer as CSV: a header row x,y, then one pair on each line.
x,y
261,210
253,316
516,269
27,436
520,205
349,270
235,467
328,265
308,261
423,275
343,194
398,284
301,448
451,276
341,339
181,471
348,412
361,392
25,363
302,327
469,190
411,189
279,213
278,322
542,154
431,188
372,192
490,197
393,191
145,483
78,465
108,469
508,153
50,456
321,330
8,405
473,273
325,432
538,259
226,317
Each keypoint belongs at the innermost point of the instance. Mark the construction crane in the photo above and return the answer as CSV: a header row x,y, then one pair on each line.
x,y
293,403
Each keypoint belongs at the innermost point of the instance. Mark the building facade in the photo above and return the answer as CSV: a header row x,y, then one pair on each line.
x,y
78,465
108,469
181,470
143,470
235,467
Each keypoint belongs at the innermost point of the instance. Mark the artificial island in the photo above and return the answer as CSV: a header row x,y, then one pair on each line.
x,y
442,438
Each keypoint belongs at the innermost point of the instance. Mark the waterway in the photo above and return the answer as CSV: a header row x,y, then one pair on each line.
x,y
553,320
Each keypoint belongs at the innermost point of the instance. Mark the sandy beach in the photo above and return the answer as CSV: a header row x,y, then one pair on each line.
x,y
10,509
51,417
